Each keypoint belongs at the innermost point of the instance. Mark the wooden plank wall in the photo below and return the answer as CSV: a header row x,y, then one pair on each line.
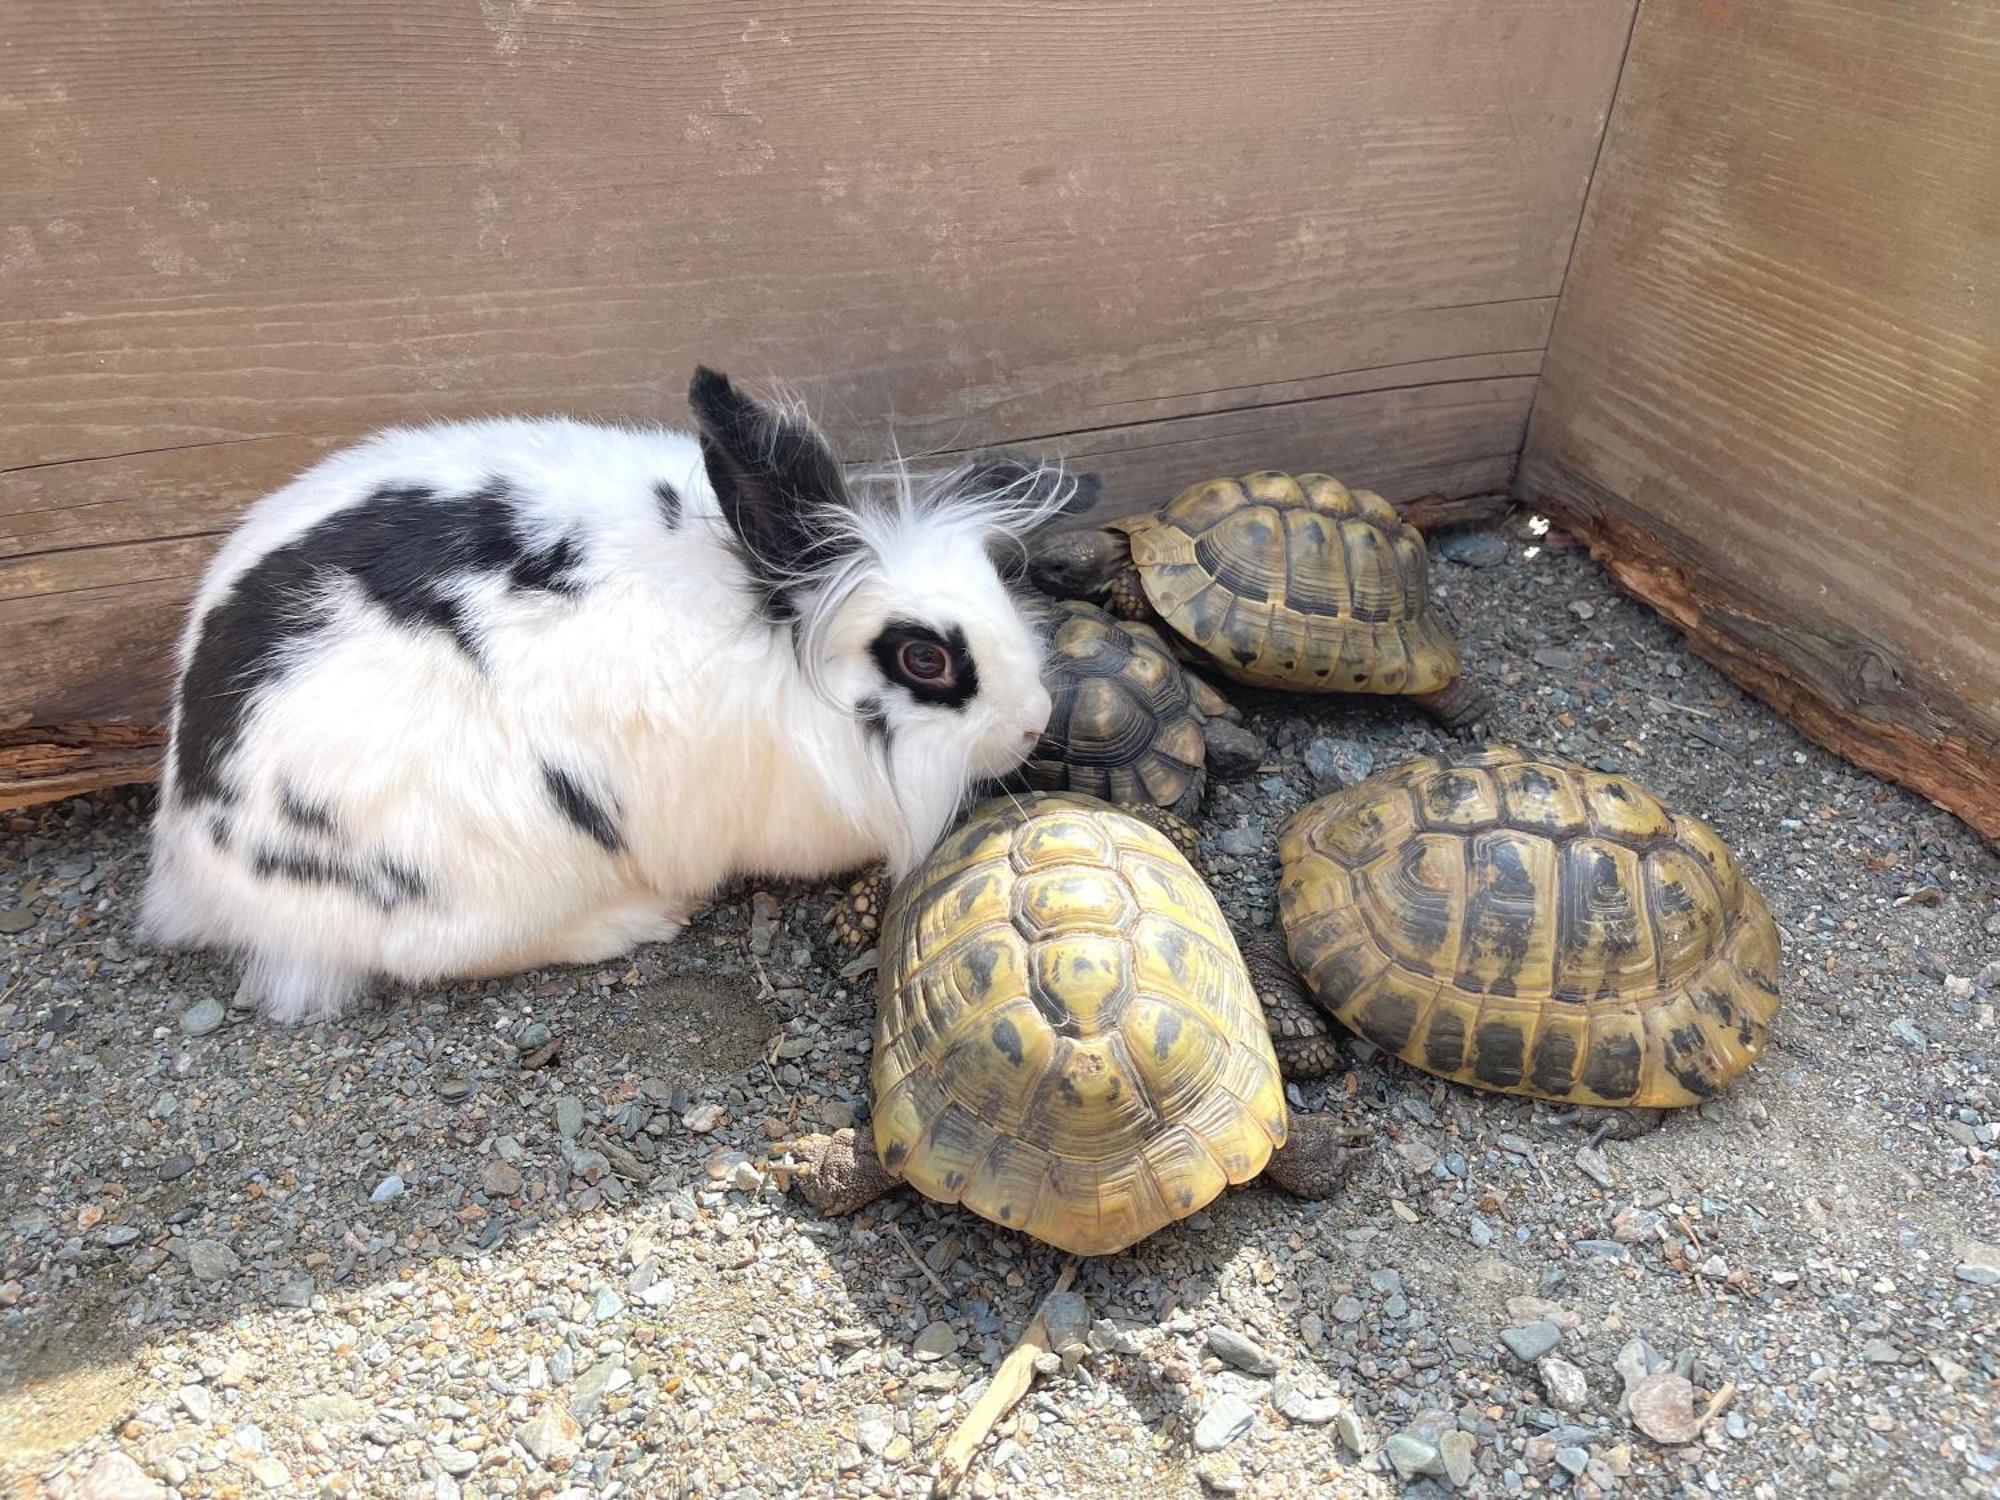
x,y
1773,396
1170,237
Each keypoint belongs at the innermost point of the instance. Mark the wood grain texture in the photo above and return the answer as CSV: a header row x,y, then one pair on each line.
x,y
1772,399
1171,237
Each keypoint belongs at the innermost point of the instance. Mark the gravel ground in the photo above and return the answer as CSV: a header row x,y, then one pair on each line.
x,y
525,1237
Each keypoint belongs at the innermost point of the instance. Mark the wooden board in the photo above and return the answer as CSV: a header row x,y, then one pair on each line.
x,y
1171,238
1772,400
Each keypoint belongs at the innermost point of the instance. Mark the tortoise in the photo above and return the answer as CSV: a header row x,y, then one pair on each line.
x,y
1127,724
1521,924
1292,583
1066,1039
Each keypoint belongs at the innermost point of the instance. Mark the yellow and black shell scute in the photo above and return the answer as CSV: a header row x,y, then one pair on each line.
x,y
1295,583
1523,924
1066,1038
1123,725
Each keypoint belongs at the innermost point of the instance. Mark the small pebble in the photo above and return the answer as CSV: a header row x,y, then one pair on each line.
x,y
1412,1456
1228,1417
203,1017
389,1187
1531,1341
1473,549
1233,1348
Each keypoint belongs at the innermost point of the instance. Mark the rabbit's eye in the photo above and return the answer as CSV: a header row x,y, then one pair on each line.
x,y
933,666
925,662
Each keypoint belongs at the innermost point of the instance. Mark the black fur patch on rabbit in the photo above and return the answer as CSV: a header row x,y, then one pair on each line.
x,y
407,547
386,886
582,809
670,503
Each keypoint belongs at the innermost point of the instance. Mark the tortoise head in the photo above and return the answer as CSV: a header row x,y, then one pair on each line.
x,y
1079,564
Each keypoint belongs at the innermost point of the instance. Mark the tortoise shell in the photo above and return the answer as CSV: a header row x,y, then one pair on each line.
x,y
1522,924
1066,1039
1124,726
1295,584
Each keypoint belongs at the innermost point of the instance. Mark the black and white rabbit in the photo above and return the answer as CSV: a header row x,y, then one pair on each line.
x,y
470,698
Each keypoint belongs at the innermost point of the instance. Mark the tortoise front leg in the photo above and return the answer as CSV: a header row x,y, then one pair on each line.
x,y
1301,1034
839,1173
856,918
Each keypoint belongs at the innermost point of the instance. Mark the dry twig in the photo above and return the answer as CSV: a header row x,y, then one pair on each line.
x,y
1009,1384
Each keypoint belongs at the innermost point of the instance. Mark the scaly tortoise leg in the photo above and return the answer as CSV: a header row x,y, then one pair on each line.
x,y
839,1173
1461,705
1618,1124
856,918
1301,1035
1179,832
1319,1154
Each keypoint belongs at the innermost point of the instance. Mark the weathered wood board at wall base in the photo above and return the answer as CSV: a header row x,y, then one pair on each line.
x,y
1170,238
1772,401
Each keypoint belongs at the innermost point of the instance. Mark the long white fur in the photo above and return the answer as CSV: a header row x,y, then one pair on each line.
x,y
657,686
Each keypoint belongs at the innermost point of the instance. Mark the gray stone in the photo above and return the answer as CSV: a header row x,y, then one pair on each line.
x,y
499,1179
389,1187
1603,1249
1412,1456
203,1017
1220,1474
211,1260
196,1402
1564,1382
1595,1165
116,1477
703,1118
936,1341
1232,751
1905,1033
116,1236
1473,549
455,1461
1978,1275
1226,1420
1304,1409
1635,1362
1881,1352
552,1437
1456,1448
1531,1341
332,1408
1067,1317
1239,840
1352,1435
297,1291
1231,1347
591,1385
1573,1460
874,1429
533,1037
1348,1310
1338,763
569,1116
605,1305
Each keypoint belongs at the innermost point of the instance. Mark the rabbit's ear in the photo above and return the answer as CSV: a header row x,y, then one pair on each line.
x,y
772,474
